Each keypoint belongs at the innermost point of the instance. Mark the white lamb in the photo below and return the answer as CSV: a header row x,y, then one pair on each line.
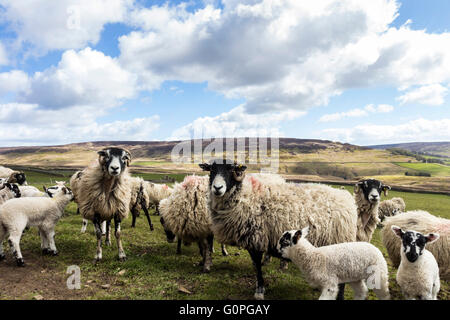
x,y
418,273
328,266
42,212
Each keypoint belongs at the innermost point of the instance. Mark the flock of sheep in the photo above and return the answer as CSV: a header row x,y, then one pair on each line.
x,y
325,231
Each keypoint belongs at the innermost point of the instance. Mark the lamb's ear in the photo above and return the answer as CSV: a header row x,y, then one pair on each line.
x,y
297,236
398,231
64,189
205,166
385,189
305,232
45,188
432,237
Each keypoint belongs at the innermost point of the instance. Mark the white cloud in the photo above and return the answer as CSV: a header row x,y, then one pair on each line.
x,y
432,95
85,77
3,55
28,124
236,123
62,24
412,131
356,113
14,81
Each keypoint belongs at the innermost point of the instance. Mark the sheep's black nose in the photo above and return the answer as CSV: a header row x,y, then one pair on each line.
x,y
115,168
218,188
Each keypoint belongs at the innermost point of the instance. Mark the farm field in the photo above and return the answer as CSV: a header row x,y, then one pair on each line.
x,y
432,168
153,270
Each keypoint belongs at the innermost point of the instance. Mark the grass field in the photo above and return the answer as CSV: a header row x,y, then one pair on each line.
x,y
434,169
153,270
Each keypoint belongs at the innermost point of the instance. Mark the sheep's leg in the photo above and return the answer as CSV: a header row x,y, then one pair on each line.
x,y
108,233
134,216
44,242
340,295
383,292
14,243
208,254
117,221
98,233
84,225
224,250
267,259
179,246
2,237
51,240
103,228
329,292
360,290
202,252
257,263
144,207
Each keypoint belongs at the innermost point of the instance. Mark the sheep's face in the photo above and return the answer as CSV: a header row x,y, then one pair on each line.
x,y
290,239
372,189
18,177
413,242
68,193
114,160
223,176
14,189
54,190
169,234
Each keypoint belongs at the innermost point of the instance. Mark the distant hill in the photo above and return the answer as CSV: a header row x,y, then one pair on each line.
x,y
432,148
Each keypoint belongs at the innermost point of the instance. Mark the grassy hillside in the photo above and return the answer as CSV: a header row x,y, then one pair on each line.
x,y
154,271
436,170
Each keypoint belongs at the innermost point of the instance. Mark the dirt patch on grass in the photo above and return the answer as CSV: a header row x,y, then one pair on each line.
x,y
37,278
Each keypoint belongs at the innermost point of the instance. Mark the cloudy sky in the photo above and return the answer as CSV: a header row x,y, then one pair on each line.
x,y
363,72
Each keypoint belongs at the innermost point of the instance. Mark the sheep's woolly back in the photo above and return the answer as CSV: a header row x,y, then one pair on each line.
x,y
255,215
100,193
185,211
156,192
367,217
5,172
423,222
387,207
135,184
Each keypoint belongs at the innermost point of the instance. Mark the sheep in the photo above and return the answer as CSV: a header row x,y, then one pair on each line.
x,y
253,214
328,266
12,176
185,214
9,191
104,193
74,185
418,273
392,207
367,194
423,222
43,212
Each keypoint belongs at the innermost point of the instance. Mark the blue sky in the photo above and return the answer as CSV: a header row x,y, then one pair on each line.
x,y
359,72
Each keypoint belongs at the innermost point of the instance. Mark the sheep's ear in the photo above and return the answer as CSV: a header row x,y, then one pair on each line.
x,y
305,232
239,167
205,166
297,236
432,237
385,189
45,188
64,189
398,231
101,156
127,158
357,186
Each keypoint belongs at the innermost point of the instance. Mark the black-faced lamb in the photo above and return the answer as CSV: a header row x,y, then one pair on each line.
x,y
104,193
423,222
9,191
253,214
367,195
328,266
13,176
42,212
418,273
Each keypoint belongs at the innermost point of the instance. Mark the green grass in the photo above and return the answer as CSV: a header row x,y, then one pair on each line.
x,y
154,271
434,169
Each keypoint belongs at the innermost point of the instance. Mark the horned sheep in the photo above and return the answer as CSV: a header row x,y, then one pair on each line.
x,y
423,222
367,195
327,266
104,193
253,214
42,212
418,273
